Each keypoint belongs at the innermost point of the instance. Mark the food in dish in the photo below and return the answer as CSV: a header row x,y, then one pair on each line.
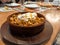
x,y
26,24
27,19
45,4
32,6
5,9
13,4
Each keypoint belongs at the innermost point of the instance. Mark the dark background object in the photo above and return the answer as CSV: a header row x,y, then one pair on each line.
x,y
50,0
17,1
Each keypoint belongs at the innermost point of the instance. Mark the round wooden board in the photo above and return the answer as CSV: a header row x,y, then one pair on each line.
x,y
38,39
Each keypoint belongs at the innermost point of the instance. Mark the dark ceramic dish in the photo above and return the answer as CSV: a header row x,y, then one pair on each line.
x,y
23,31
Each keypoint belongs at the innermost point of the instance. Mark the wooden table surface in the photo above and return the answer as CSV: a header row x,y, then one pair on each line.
x,y
52,15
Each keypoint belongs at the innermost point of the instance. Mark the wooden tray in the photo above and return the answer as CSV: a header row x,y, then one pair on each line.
x,y
38,39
